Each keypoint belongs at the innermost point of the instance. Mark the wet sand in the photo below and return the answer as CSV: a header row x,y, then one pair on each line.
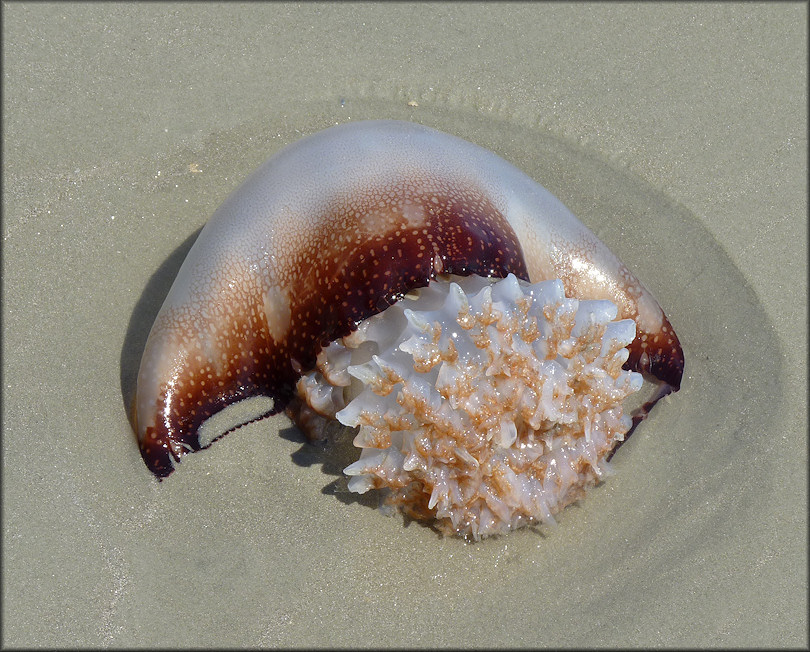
x,y
677,132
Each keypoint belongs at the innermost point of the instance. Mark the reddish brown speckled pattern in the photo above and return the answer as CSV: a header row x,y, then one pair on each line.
x,y
343,272
658,354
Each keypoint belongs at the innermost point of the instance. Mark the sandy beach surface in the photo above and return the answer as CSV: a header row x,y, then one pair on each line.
x,y
676,131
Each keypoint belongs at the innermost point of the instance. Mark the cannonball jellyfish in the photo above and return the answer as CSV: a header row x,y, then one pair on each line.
x,y
424,291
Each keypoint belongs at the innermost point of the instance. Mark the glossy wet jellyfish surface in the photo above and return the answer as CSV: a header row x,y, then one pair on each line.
x,y
424,291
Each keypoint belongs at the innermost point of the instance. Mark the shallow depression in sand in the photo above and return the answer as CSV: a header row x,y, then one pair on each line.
x,y
686,477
